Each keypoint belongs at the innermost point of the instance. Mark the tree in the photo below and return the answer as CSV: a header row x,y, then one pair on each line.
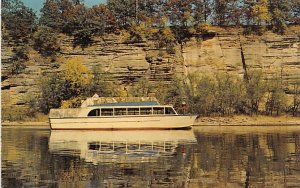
x,y
280,13
256,15
201,11
52,92
277,99
46,41
103,17
19,20
102,84
176,94
19,59
204,99
180,17
124,11
255,89
228,93
220,10
51,15
77,77
165,38
294,107
227,12
295,12
141,89
260,12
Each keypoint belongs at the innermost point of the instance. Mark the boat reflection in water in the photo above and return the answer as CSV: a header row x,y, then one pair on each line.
x,y
119,146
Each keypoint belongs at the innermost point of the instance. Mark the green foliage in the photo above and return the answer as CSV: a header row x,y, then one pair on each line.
x,y
141,89
14,113
280,14
255,90
295,12
220,95
124,11
277,99
104,18
82,37
73,84
18,19
202,9
52,92
295,105
204,97
102,84
18,60
51,15
165,39
176,94
46,41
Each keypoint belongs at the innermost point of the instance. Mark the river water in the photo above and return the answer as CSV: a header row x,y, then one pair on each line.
x,y
201,157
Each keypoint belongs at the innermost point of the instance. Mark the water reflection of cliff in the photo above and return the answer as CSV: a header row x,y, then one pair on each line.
x,y
239,158
119,146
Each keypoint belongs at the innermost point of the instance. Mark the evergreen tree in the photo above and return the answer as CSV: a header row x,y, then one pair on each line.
x,y
19,20
51,15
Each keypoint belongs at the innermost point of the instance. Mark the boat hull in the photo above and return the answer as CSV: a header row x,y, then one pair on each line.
x,y
124,122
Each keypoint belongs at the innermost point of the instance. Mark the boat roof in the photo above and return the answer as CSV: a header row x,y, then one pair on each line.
x,y
143,103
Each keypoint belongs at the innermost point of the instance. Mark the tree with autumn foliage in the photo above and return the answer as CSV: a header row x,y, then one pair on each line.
x,y
77,77
280,14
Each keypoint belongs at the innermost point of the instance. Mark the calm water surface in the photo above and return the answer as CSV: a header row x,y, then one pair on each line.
x,y
201,157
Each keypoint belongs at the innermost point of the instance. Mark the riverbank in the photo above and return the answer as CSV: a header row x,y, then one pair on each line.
x,y
239,120
242,120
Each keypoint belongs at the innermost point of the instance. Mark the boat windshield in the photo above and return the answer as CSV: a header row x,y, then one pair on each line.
x,y
169,110
95,112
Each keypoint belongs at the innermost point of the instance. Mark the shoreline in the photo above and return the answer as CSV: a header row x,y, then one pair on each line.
x,y
238,120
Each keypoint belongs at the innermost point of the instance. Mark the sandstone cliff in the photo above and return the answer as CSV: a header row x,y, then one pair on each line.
x,y
222,52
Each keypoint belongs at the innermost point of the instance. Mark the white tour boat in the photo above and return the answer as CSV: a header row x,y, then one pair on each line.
x,y
119,115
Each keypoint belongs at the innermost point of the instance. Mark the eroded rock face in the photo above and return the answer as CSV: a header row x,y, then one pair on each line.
x,y
276,55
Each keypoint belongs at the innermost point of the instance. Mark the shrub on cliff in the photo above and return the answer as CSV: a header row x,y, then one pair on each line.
x,y
18,60
46,41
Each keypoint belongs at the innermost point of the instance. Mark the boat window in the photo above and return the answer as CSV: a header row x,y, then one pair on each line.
x,y
106,112
133,111
158,110
94,146
170,110
95,112
120,111
146,111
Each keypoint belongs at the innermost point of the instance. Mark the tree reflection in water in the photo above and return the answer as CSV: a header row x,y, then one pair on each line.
x,y
195,158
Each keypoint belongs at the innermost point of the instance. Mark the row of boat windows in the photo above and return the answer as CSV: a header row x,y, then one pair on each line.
x,y
130,111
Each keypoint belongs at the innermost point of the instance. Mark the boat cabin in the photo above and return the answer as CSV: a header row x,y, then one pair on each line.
x,y
131,109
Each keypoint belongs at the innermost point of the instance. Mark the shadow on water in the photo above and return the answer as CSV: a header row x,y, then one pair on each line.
x,y
203,156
